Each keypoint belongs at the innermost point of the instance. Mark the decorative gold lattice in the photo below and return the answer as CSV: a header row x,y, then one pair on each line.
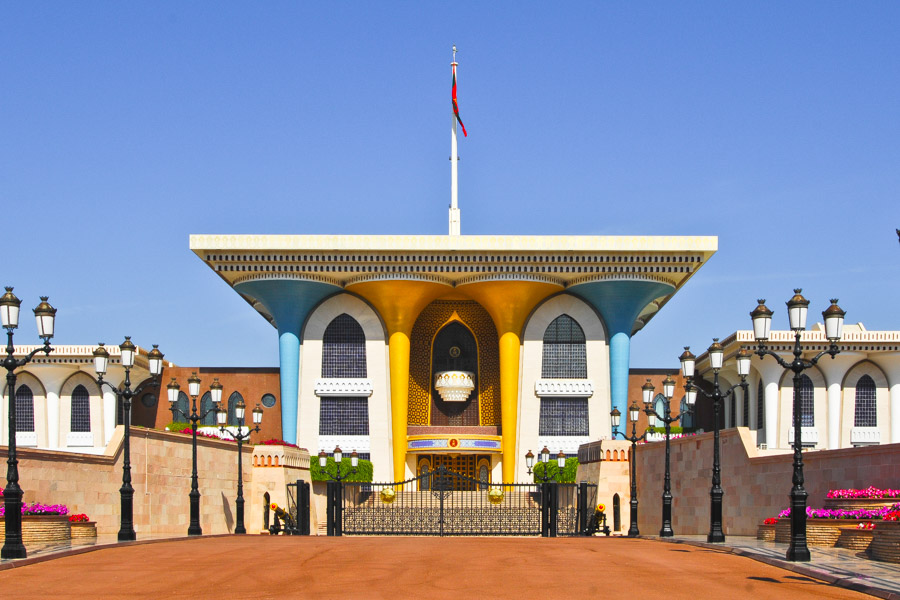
x,y
435,316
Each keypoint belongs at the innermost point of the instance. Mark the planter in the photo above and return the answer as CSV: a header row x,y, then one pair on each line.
x,y
855,539
767,532
84,530
886,542
42,529
819,532
860,503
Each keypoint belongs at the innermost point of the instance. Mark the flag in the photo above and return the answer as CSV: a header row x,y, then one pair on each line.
x,y
455,105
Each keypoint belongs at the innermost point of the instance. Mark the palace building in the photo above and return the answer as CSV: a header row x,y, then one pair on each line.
x,y
466,351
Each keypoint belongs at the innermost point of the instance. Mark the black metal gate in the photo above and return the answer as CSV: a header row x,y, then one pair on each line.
x,y
298,499
443,502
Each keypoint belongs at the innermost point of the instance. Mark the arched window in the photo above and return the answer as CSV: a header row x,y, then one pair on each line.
x,y
24,409
206,406
81,410
807,405
344,348
564,355
864,414
659,405
183,406
745,396
232,403
687,418
760,406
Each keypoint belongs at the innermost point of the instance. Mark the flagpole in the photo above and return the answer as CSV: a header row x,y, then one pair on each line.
x,y
454,171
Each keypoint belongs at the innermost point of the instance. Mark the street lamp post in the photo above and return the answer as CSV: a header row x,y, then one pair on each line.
x,y
716,360
762,324
215,390
44,314
667,419
338,456
125,395
240,436
634,438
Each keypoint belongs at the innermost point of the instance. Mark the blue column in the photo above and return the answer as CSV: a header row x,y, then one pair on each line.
x,y
289,301
620,302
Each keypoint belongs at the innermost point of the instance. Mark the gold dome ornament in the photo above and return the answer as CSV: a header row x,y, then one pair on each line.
x,y
495,495
388,495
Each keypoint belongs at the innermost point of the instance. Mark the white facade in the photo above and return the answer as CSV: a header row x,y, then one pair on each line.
x,y
855,396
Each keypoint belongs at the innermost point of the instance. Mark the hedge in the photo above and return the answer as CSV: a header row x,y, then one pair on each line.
x,y
568,473
363,471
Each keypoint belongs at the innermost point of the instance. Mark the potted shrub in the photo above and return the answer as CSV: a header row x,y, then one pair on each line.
x,y
82,527
766,531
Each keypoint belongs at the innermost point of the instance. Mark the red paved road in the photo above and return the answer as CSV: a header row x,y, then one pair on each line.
x,y
410,567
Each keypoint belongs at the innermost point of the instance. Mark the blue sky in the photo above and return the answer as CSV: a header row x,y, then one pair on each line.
x,y
128,126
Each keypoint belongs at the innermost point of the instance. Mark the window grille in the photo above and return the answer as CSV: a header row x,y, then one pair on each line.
x,y
183,404
81,410
760,406
344,416
206,404
687,418
807,405
232,413
865,414
24,409
563,416
344,349
659,405
564,354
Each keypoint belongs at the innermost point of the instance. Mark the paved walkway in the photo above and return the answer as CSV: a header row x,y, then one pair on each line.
x,y
846,568
405,567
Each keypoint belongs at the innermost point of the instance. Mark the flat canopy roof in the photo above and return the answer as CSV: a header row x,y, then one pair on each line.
x,y
344,260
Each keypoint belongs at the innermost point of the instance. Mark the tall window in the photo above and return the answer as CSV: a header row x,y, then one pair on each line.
x,y
659,405
232,412
24,409
344,348
344,416
81,410
563,416
687,418
864,414
760,406
745,396
206,406
564,355
807,405
183,404
733,404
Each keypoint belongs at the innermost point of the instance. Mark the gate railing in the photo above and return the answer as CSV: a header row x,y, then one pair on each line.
x,y
298,499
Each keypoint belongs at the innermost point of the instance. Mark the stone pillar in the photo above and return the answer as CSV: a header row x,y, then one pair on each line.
x,y
834,370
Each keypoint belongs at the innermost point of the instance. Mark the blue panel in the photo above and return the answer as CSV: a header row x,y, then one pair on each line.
x,y
620,302
289,302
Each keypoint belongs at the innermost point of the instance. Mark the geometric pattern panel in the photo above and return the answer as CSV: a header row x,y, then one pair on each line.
x,y
864,414
424,330
565,416
563,350
344,349
80,411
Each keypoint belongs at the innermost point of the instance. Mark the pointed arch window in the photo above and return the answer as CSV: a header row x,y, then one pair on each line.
x,y
24,409
807,403
232,403
80,420
183,405
206,406
687,418
659,405
864,414
564,354
344,349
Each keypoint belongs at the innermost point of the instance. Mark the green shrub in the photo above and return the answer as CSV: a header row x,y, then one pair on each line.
x,y
178,426
568,472
363,471
674,429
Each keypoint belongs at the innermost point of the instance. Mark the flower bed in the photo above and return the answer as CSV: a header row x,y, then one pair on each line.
x,y
856,539
885,543
41,529
766,531
868,499
819,532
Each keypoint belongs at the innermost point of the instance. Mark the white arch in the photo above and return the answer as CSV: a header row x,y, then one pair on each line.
x,y
377,378
67,439
26,438
851,434
820,406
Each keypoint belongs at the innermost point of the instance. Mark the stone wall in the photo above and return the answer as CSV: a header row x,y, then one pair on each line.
x,y
757,483
161,477
611,475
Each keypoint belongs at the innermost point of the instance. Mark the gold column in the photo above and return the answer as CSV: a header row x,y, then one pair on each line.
x,y
509,304
399,303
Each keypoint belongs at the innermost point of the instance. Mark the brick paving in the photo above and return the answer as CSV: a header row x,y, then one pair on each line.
x,y
262,567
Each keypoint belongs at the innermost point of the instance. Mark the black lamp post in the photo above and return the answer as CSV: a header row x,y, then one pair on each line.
x,y
667,419
634,438
125,395
544,458
215,390
44,314
716,360
834,324
240,436
338,456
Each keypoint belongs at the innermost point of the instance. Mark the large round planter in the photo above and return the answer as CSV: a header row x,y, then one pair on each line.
x,y
886,542
819,532
766,532
855,539
42,529
84,531
859,503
